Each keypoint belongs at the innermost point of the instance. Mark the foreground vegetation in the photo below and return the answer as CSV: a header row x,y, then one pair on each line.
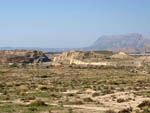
x,y
35,89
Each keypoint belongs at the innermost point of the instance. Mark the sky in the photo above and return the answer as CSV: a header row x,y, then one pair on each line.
x,y
69,23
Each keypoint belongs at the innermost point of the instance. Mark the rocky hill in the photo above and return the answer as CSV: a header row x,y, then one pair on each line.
x,y
22,56
128,43
85,56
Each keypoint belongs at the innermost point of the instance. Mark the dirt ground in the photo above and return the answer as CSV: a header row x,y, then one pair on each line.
x,y
35,89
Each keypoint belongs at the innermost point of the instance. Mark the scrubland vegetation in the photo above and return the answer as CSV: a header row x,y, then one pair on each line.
x,y
72,89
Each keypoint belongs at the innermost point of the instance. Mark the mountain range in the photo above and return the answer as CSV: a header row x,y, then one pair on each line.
x,y
132,42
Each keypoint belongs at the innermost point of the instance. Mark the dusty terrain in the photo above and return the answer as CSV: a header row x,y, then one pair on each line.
x,y
76,88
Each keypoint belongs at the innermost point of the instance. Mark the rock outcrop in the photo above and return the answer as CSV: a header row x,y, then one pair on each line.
x,y
86,56
22,56
97,58
121,55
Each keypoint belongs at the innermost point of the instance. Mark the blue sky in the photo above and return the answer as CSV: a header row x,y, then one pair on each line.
x,y
69,23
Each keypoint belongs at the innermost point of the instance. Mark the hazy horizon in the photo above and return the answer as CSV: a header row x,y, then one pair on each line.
x,y
69,23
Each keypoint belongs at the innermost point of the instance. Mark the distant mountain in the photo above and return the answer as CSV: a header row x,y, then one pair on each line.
x,y
128,42
133,42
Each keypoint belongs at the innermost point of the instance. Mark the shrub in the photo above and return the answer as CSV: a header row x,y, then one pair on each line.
x,y
42,87
76,102
14,65
70,110
37,102
144,104
88,99
23,89
110,111
120,100
95,94
127,110
70,94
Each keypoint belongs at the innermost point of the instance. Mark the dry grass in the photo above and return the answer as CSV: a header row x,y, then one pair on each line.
x,y
84,90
